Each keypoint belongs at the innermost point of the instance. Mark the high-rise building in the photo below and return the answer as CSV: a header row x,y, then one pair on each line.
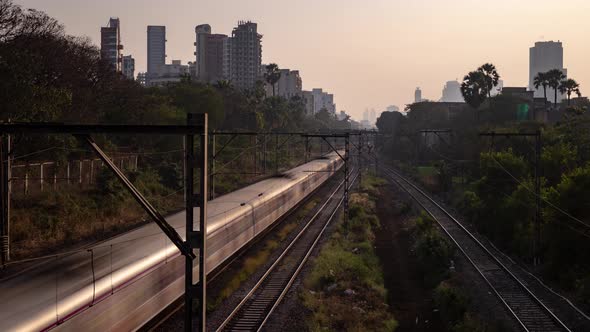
x,y
417,95
202,32
156,49
543,57
211,54
129,67
110,43
246,55
452,93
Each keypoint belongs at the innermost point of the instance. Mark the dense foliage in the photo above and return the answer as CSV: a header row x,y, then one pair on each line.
x,y
491,181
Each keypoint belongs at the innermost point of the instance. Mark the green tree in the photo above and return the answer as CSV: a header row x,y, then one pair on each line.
x,y
568,87
554,77
272,75
542,79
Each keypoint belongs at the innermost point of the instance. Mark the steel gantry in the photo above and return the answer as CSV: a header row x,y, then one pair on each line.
x,y
194,239
345,158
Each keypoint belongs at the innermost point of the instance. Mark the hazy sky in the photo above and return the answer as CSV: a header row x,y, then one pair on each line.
x,y
370,53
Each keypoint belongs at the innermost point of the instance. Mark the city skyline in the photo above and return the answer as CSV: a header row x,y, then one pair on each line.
x,y
378,71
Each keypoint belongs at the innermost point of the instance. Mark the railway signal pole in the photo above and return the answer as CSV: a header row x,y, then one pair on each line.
x,y
537,166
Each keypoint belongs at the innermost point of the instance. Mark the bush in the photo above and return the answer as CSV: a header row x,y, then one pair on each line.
x,y
451,303
434,254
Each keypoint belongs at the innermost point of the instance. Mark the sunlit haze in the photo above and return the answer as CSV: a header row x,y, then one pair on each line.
x,y
369,54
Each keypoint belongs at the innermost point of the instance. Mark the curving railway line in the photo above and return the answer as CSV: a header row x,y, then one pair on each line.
x,y
256,307
522,304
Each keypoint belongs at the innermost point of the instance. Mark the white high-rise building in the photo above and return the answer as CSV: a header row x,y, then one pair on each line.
x,y
156,50
417,95
543,57
246,55
452,93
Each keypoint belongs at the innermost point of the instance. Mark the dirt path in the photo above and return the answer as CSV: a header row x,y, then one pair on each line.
x,y
411,303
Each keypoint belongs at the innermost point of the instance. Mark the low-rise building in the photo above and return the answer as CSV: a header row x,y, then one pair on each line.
x,y
169,73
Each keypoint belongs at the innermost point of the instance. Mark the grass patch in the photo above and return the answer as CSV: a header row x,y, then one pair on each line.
x,y
345,288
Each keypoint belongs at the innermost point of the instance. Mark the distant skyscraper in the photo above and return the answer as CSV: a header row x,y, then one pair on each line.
x,y
210,54
110,43
545,56
156,49
372,116
418,95
452,93
129,67
246,55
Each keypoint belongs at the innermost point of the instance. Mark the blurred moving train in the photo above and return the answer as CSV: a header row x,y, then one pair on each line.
x,y
120,284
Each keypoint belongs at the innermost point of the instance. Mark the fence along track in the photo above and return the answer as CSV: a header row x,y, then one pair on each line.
x,y
523,305
256,307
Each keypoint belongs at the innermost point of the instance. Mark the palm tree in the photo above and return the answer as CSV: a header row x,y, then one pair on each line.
x,y
554,78
491,77
568,87
272,75
474,88
542,79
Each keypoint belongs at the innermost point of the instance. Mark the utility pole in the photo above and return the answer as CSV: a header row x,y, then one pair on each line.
x,y
196,239
537,167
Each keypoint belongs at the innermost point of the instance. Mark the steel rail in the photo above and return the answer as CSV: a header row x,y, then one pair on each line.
x,y
270,307
511,305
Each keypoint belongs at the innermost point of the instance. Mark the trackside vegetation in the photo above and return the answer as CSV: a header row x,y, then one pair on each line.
x,y
345,289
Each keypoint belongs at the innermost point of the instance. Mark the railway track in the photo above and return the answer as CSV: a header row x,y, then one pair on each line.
x,y
253,311
530,313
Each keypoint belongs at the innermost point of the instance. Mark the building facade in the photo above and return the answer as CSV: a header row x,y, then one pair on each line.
x,y
110,43
290,84
211,55
156,50
169,73
128,67
246,55
543,57
452,93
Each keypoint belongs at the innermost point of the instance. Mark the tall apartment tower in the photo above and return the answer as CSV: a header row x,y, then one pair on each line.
x,y
543,57
156,49
110,43
417,95
246,55
202,31
210,54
